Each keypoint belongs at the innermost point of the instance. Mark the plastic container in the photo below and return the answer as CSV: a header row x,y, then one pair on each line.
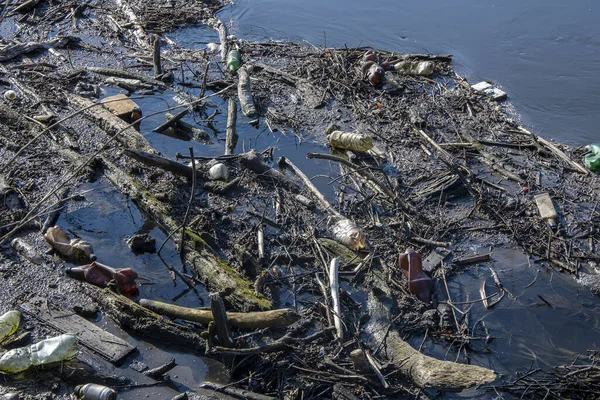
x,y
592,158
9,323
47,351
419,283
100,275
93,391
351,141
348,233
234,60
10,95
218,172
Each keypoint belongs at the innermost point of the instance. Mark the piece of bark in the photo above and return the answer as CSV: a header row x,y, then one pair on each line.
x,y
220,319
335,297
248,320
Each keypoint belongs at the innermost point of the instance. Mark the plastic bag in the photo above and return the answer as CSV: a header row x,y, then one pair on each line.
x,y
592,158
9,323
424,68
47,351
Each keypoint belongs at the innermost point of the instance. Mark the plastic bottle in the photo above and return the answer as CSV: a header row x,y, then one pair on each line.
x,y
47,351
347,233
234,60
592,158
92,391
9,323
419,283
415,67
351,141
99,274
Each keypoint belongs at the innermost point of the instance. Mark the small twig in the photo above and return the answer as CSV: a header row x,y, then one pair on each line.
x,y
187,211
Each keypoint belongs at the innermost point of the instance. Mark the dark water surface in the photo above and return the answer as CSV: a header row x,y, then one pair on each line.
x,y
543,53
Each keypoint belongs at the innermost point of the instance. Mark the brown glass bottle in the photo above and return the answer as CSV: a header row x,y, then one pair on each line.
x,y
419,283
99,275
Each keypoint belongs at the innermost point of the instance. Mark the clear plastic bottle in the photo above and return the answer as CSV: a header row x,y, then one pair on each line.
x,y
47,351
351,141
9,323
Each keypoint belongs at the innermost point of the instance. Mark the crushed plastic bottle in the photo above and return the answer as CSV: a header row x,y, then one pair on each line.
x,y
351,141
419,283
47,351
72,249
424,68
9,323
100,275
347,233
592,158
93,391
234,60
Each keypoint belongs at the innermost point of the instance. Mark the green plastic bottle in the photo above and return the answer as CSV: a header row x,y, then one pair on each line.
x,y
592,158
234,60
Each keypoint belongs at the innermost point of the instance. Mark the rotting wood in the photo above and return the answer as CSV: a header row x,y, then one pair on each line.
x,y
220,320
15,50
154,160
216,272
109,346
193,132
231,137
143,322
139,33
426,372
248,320
254,162
174,120
558,152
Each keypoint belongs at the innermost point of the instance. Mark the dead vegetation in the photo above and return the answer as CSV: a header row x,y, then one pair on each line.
x,y
449,167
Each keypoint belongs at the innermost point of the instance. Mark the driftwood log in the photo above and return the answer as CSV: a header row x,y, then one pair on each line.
x,y
143,322
426,372
209,266
249,320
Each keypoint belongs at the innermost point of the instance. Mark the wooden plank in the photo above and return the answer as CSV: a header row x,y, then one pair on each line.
x,y
107,345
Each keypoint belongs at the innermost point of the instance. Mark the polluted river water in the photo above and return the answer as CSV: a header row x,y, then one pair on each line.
x,y
546,318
